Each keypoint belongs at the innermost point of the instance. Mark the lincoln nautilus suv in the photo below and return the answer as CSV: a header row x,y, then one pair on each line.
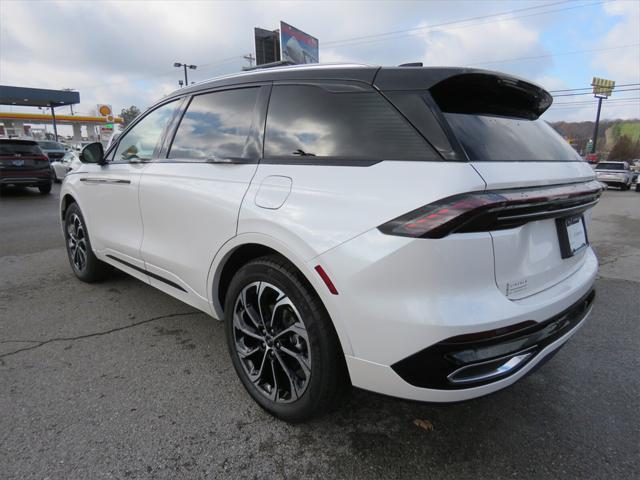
x,y
417,232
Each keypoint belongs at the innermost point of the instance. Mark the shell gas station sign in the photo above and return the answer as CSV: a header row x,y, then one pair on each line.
x,y
106,130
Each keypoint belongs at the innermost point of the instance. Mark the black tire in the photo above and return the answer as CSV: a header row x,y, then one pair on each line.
x,y
327,382
626,187
46,188
638,187
84,263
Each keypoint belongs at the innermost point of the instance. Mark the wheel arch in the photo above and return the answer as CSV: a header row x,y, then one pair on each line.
x,y
65,202
246,247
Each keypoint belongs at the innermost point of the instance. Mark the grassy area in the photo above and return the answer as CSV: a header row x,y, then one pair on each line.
x,y
630,129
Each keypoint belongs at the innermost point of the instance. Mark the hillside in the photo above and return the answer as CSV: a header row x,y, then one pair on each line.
x,y
609,132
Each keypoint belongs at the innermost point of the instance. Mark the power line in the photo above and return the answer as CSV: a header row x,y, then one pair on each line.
x,y
410,31
349,41
617,102
452,22
556,54
590,88
592,101
590,93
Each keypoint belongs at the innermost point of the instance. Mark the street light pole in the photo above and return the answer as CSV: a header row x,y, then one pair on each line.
x,y
601,89
185,66
595,128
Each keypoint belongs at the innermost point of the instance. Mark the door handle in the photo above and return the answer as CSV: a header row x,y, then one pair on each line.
x,y
229,160
105,180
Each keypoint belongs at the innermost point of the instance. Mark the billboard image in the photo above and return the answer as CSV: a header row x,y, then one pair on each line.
x,y
297,46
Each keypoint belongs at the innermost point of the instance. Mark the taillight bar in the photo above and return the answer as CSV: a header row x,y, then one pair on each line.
x,y
494,210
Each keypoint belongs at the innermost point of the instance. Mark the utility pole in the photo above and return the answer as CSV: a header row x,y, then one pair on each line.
x,y
70,105
185,66
55,127
249,58
601,89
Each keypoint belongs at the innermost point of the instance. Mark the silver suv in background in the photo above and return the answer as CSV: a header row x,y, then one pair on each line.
x,y
614,174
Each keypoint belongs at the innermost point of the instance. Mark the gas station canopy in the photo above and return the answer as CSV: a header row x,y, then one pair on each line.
x,y
37,97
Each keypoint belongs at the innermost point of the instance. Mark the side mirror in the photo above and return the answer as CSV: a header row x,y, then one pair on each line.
x,y
93,153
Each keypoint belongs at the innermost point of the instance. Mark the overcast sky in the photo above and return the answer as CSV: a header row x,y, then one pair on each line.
x,y
122,52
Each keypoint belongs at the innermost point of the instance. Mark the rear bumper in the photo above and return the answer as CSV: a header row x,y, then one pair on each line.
x,y
382,379
26,177
479,359
398,299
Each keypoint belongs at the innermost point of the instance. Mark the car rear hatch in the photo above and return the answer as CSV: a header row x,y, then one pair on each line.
x,y
21,156
539,192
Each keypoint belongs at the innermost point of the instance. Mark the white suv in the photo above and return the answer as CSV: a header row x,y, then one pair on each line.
x,y
417,232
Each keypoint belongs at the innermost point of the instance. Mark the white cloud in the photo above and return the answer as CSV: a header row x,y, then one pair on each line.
x,y
623,65
481,43
122,53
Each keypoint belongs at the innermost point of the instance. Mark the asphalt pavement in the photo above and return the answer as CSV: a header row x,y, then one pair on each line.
x,y
118,380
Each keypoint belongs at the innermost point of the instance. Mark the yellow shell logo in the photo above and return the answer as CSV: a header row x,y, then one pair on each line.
x,y
104,110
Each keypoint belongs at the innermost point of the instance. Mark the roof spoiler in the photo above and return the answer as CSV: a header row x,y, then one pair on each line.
x,y
471,91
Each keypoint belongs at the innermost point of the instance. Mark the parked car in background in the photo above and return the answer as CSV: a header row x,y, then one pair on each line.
x,y
417,232
23,163
53,150
78,146
64,165
635,169
614,174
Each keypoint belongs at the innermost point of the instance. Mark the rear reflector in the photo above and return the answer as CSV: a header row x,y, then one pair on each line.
x,y
494,210
327,281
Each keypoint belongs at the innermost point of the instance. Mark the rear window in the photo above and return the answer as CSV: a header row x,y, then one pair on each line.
x,y
51,145
8,147
610,166
313,122
493,138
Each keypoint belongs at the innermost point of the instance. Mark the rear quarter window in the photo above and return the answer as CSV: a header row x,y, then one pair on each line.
x,y
315,123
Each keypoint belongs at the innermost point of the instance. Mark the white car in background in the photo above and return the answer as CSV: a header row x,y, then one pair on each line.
x,y
614,174
64,165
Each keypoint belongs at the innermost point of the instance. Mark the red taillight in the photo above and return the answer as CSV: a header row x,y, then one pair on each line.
x,y
437,219
42,158
483,211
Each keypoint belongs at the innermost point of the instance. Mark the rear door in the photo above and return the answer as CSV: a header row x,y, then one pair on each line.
x,y
190,197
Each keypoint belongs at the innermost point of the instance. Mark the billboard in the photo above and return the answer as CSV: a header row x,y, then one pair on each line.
x,y
297,46
267,46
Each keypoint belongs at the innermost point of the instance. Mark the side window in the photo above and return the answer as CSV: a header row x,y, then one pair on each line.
x,y
216,125
141,141
310,121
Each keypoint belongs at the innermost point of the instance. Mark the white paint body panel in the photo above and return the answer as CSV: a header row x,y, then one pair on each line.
x,y
190,210
397,295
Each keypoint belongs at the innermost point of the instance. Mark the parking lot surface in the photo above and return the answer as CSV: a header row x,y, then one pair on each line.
x,y
118,380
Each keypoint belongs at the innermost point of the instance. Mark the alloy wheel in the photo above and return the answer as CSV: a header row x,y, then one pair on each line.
x,y
271,342
77,242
